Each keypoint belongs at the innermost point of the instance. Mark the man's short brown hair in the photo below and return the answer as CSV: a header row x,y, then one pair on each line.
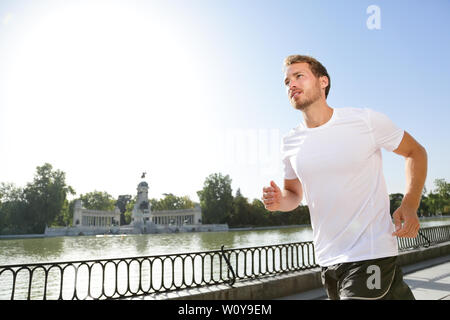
x,y
316,67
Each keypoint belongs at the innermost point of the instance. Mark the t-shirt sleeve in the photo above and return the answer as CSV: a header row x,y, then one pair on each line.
x,y
288,171
386,134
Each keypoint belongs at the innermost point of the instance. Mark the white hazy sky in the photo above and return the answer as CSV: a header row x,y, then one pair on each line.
x,y
105,90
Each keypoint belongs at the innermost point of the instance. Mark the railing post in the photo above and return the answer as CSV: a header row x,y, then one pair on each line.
x,y
230,268
426,239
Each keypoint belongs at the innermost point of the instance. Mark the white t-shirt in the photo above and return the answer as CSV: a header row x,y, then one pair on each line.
x,y
340,167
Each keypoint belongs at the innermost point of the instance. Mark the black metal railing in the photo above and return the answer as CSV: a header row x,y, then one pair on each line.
x,y
137,276
425,238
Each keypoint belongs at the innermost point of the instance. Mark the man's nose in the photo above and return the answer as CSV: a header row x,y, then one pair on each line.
x,y
292,85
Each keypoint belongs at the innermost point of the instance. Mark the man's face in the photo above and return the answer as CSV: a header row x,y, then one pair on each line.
x,y
303,87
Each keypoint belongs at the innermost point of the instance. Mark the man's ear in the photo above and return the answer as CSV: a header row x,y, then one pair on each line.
x,y
324,82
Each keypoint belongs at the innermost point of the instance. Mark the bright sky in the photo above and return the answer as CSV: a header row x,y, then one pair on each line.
x,y
105,90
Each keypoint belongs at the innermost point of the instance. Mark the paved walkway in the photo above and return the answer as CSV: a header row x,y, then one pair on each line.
x,y
429,280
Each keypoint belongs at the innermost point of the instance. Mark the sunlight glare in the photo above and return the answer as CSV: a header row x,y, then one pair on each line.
x,y
88,78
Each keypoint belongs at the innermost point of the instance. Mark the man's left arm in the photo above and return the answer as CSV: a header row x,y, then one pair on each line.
x,y
416,173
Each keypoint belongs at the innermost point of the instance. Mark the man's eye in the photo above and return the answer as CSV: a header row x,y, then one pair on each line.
x,y
299,75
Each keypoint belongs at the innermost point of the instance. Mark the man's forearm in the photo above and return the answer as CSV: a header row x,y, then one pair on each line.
x,y
416,173
289,201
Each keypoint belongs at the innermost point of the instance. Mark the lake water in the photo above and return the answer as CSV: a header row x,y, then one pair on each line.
x,y
17,251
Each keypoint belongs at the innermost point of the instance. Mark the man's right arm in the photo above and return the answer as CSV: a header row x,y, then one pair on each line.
x,y
287,199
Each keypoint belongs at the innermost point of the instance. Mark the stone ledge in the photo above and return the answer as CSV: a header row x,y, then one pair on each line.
x,y
421,254
264,288
282,285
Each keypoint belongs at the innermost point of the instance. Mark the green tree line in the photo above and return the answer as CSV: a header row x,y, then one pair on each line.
x,y
44,202
220,206
433,203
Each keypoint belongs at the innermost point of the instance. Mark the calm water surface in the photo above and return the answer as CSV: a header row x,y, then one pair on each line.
x,y
15,251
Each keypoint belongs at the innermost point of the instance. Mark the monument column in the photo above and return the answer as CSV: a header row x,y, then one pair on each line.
x,y
77,213
142,206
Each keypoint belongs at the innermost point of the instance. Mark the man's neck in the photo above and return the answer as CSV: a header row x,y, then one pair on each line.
x,y
317,114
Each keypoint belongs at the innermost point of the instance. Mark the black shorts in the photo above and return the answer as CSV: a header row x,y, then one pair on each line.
x,y
366,280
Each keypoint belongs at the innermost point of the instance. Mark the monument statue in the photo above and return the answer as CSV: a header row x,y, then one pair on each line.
x,y
141,210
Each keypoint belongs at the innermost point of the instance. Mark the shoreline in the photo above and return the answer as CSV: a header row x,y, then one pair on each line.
x,y
270,227
39,235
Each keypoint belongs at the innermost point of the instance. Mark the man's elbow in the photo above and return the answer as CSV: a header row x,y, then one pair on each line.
x,y
419,156
421,151
417,151
297,197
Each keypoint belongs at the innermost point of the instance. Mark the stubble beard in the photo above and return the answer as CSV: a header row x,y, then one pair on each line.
x,y
306,101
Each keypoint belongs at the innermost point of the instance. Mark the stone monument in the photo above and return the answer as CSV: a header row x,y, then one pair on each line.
x,y
141,211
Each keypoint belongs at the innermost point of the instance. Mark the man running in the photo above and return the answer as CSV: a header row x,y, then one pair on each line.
x,y
334,160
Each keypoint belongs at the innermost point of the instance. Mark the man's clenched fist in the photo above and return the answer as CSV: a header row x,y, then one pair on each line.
x,y
271,197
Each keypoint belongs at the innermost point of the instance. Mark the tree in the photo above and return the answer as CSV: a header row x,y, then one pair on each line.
x,y
259,212
66,215
241,213
433,203
45,197
98,200
299,215
129,210
245,214
216,199
171,202
395,200
122,203
424,210
12,209
442,189
438,200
